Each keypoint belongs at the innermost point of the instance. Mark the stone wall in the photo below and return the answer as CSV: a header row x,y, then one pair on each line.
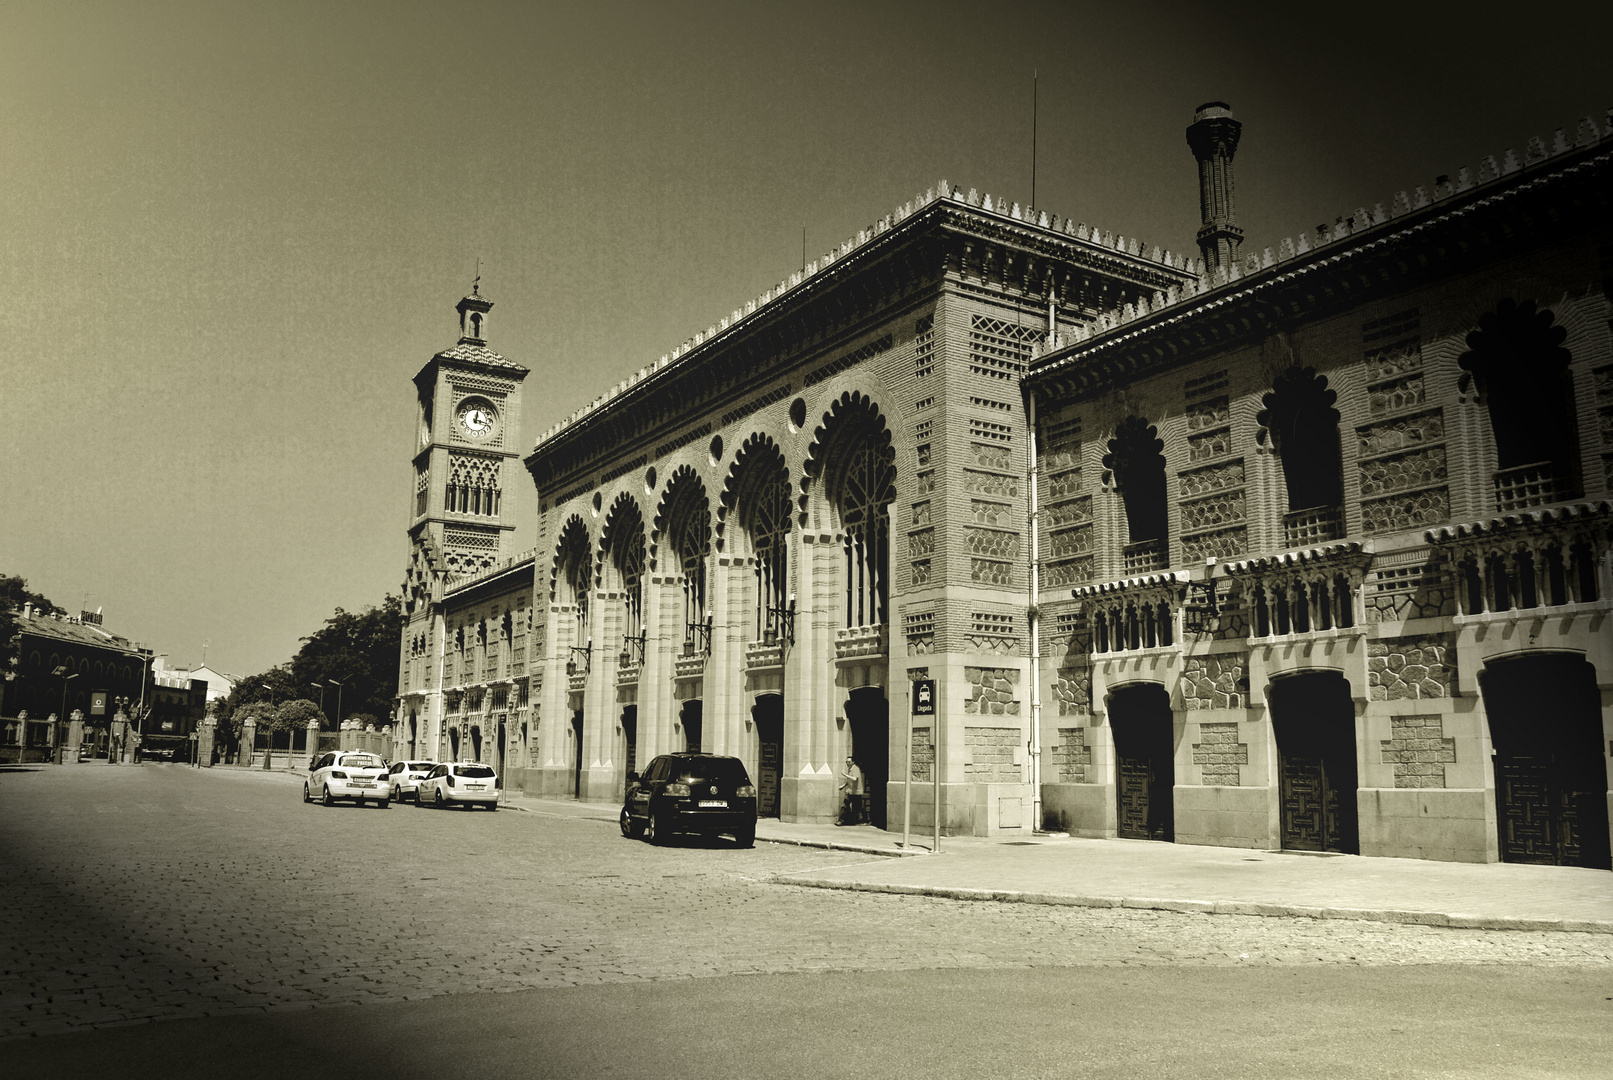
x,y
1419,751
992,691
1411,668
1072,688
1219,753
991,755
1072,756
1218,681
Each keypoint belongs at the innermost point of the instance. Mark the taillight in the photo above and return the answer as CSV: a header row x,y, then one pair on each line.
x,y
450,780
677,790
338,775
745,791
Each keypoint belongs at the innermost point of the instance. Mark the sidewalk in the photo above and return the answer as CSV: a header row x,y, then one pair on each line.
x,y
1172,877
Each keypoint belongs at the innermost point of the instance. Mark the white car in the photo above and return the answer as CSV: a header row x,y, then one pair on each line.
x,y
406,777
351,774
462,783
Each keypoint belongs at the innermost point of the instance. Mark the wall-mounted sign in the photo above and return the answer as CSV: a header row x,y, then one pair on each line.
x,y
923,697
98,703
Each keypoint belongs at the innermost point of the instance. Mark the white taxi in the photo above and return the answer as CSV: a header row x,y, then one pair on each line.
x,y
351,774
406,777
460,783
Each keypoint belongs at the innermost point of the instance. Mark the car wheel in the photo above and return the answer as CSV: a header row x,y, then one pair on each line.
x,y
439,799
746,837
627,824
329,799
305,796
657,831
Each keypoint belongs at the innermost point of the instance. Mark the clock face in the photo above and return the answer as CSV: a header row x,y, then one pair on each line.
x,y
477,420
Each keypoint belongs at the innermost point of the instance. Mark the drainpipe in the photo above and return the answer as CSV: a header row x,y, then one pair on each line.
x,y
1033,611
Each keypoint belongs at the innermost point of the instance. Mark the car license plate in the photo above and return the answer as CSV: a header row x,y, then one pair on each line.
x,y
713,803
474,787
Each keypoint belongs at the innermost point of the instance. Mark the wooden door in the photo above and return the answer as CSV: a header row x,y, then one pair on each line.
x,y
768,713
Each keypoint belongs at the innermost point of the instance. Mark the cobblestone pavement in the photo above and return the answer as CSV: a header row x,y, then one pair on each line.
x,y
142,893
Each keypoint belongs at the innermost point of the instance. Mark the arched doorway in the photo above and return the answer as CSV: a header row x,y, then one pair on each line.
x,y
476,742
692,717
868,717
576,753
630,737
1145,762
1550,780
453,743
768,714
414,733
502,735
1313,718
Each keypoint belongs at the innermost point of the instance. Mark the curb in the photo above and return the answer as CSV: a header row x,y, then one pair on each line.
x,y
1213,907
825,845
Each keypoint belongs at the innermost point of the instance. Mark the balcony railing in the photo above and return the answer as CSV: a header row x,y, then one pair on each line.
x,y
1317,525
764,654
855,642
1523,486
1145,557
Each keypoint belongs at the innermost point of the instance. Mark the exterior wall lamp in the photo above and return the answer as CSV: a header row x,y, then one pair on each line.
x,y
780,624
1200,608
632,650
587,665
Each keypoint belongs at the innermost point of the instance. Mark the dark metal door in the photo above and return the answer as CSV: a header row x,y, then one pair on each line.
x,y
1524,797
1310,807
1135,781
768,713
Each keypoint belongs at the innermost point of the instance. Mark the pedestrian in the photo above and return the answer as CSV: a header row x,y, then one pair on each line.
x,y
851,792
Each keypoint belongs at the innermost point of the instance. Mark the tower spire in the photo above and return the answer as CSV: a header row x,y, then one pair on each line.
x,y
1213,137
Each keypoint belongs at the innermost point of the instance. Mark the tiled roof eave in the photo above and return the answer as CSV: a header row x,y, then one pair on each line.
x,y
1344,551
1525,519
1131,584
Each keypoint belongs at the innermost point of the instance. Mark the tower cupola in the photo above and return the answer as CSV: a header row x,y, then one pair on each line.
x,y
473,311
1213,137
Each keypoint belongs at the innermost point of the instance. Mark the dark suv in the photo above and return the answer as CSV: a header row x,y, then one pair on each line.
x,y
690,793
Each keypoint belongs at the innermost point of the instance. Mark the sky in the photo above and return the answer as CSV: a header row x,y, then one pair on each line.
x,y
230,234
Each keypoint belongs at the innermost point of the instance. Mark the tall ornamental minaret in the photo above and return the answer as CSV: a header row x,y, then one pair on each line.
x,y
1213,136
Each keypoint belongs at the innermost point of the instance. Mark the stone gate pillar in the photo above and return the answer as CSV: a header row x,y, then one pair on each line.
x,y
249,736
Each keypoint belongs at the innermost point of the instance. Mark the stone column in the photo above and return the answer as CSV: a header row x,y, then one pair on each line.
x,y
721,698
249,735
601,715
206,732
75,737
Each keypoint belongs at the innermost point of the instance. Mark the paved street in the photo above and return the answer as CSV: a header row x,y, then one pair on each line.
x,y
162,892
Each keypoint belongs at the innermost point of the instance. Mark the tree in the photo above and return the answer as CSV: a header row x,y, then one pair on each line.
x,y
357,650
14,594
291,717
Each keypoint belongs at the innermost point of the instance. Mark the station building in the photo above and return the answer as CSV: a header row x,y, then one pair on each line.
x,y
1305,548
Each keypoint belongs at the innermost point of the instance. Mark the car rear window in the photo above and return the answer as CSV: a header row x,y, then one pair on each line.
x,y
727,770
416,766
475,772
361,761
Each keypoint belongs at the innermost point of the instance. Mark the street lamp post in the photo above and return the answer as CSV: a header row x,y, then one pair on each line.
x,y
56,729
338,683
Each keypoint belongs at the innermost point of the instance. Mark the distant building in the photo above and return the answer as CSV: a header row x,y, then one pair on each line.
x,y
218,683
69,664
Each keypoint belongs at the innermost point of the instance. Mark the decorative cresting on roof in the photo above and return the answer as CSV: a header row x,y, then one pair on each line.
x,y
573,526
757,451
1131,584
624,511
479,354
942,192
460,584
843,411
1506,524
1361,221
682,477
1330,554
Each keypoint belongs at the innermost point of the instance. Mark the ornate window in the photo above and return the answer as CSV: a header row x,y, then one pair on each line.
x,y
626,551
1516,358
860,495
1304,428
690,533
1136,458
473,486
764,515
573,573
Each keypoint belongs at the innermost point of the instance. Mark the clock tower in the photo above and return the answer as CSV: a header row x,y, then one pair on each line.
x,y
468,421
